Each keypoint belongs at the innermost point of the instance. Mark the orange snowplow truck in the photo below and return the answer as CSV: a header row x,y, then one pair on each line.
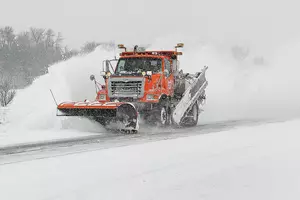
x,y
144,85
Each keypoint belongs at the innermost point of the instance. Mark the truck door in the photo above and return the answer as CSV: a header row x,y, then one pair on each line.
x,y
169,77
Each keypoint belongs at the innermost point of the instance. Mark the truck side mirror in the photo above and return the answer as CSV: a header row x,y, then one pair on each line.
x,y
92,77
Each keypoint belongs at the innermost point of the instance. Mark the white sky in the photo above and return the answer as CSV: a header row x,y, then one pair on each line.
x,y
264,22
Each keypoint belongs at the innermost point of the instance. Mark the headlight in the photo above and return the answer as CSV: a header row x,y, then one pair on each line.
x,y
102,97
150,97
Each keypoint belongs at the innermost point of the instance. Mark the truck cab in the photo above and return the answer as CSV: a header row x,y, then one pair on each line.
x,y
144,77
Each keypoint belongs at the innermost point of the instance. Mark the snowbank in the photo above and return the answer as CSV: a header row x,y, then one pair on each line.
x,y
247,163
32,114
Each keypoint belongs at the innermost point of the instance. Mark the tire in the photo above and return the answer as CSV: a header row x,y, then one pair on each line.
x,y
195,112
163,112
162,116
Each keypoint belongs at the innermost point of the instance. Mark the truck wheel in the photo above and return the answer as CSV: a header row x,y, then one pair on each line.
x,y
163,117
195,114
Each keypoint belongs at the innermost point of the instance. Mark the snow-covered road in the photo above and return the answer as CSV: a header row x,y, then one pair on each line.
x,y
259,162
19,152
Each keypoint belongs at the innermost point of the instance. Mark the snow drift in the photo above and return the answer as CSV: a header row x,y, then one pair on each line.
x,y
34,107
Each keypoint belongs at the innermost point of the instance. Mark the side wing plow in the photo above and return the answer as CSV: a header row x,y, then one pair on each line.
x,y
195,92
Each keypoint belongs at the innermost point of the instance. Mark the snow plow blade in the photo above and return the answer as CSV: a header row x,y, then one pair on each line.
x,y
112,115
193,94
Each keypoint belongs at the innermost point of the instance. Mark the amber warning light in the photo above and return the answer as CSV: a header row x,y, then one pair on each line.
x,y
121,46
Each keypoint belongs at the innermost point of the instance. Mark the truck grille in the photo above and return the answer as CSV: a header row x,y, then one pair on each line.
x,y
126,88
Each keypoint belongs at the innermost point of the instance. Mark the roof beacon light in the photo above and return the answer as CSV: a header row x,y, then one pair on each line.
x,y
179,45
121,46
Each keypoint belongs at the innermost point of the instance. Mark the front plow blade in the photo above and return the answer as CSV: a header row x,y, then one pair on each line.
x,y
112,115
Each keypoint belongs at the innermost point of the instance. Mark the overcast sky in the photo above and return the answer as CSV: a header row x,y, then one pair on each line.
x,y
140,21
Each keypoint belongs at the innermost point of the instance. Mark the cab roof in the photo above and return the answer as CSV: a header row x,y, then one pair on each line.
x,y
168,54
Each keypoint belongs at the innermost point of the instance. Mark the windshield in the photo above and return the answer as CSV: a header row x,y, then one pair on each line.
x,y
138,65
